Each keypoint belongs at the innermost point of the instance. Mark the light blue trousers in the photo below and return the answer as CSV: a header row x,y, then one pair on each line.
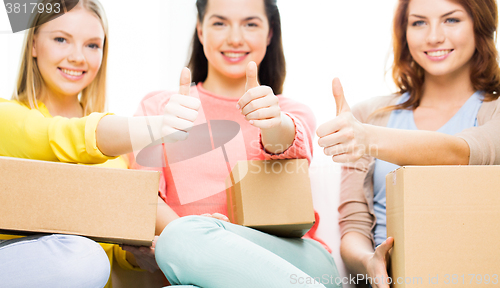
x,y
53,261
210,253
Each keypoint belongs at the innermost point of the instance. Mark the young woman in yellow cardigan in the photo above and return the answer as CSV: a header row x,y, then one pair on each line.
x,y
56,114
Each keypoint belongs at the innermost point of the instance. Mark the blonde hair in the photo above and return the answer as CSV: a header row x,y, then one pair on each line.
x,y
30,81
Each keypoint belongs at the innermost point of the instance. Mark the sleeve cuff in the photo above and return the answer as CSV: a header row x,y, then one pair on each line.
x,y
90,135
298,149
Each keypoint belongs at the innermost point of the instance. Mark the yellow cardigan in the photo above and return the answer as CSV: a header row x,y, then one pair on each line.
x,y
35,134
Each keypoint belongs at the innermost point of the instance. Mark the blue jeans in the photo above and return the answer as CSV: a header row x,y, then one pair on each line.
x,y
207,252
53,261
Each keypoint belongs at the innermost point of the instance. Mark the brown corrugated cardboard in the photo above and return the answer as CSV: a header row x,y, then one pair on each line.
x,y
105,204
272,196
445,221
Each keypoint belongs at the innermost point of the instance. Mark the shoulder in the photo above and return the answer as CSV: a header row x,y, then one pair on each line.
x,y
488,111
12,104
362,111
6,101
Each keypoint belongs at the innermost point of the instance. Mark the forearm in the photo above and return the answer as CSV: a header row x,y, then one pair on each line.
x,y
121,135
164,216
278,139
355,250
406,147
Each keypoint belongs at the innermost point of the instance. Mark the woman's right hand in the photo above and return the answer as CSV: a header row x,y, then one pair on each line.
x,y
181,111
376,265
344,137
219,216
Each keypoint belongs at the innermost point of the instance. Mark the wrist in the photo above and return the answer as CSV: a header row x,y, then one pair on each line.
x,y
279,138
364,262
372,143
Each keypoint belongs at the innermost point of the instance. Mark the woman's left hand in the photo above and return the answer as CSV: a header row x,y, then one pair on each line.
x,y
259,105
144,256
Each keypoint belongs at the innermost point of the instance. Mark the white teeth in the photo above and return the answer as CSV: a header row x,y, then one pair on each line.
x,y
234,55
72,72
438,53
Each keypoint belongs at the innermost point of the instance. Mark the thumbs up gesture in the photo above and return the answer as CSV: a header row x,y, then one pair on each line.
x,y
181,111
259,105
344,138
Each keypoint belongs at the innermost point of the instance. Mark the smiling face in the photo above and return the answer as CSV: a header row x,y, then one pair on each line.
x,y
440,36
68,51
233,33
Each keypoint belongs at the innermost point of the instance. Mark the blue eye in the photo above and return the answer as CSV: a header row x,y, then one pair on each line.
x,y
418,23
93,46
452,20
59,39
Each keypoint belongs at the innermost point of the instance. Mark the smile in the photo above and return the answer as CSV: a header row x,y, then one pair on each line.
x,y
234,57
234,54
72,72
439,53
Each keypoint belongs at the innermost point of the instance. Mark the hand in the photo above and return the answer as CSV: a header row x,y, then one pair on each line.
x,y
216,216
344,138
259,105
377,264
144,256
181,111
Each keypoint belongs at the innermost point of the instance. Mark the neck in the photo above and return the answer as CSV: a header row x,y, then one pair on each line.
x,y
225,86
447,90
62,105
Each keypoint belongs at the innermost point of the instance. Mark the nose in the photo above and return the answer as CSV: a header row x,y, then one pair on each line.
x,y
235,37
76,56
436,35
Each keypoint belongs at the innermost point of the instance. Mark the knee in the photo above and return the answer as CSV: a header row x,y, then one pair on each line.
x,y
83,262
189,233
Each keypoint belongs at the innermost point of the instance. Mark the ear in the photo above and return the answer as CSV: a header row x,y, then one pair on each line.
x,y
269,36
33,50
199,30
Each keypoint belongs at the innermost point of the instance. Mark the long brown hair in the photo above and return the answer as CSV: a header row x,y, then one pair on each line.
x,y
30,81
485,72
272,69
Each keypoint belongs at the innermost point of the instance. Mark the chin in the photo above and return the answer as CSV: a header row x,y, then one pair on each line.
x,y
72,90
235,74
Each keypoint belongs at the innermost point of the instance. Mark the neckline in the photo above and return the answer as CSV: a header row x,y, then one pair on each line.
x,y
199,86
471,98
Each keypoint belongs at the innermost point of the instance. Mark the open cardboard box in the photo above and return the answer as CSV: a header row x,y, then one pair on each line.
x,y
104,204
445,221
273,196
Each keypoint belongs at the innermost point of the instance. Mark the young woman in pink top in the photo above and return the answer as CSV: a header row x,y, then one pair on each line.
x,y
238,66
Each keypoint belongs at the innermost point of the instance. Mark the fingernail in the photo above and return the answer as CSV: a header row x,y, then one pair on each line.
x,y
237,106
251,122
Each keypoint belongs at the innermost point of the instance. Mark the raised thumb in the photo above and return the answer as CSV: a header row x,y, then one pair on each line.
x,y
252,81
185,82
338,93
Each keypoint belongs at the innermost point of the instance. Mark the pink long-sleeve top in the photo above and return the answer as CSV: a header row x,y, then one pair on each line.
x,y
193,184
